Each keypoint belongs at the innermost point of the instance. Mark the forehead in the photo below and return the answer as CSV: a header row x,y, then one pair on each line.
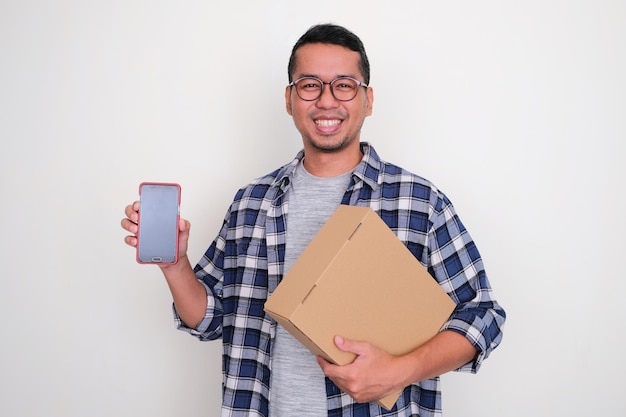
x,y
326,61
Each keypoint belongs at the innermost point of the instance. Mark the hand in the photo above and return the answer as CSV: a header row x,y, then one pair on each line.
x,y
129,223
372,375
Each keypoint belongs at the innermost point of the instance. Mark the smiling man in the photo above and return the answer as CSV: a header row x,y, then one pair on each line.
x,y
328,99
266,371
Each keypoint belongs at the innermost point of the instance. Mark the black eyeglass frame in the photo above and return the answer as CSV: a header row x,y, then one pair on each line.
x,y
331,84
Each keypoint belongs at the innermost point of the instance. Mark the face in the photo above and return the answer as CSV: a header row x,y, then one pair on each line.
x,y
326,124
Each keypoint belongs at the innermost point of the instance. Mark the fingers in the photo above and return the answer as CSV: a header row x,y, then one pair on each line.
x,y
131,241
129,226
132,211
129,223
366,378
132,217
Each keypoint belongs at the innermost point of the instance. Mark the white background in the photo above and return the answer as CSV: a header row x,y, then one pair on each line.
x,y
516,110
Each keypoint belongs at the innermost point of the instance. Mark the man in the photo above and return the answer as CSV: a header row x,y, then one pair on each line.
x,y
270,222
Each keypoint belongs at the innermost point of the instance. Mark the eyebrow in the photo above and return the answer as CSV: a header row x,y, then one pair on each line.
x,y
318,77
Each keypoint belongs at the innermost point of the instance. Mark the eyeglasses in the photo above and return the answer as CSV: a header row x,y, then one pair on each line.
x,y
342,88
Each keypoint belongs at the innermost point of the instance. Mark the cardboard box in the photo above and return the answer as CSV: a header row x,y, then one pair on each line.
x,y
356,279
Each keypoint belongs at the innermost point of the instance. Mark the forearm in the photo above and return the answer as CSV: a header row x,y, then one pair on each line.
x,y
445,352
189,295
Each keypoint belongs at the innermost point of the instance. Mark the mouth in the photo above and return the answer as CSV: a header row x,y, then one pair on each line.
x,y
327,122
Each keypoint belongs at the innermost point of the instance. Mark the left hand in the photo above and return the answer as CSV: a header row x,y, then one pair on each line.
x,y
372,375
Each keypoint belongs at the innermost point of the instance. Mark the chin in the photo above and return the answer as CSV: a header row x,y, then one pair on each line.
x,y
330,144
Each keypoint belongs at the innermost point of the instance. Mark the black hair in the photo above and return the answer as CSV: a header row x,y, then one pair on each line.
x,y
334,35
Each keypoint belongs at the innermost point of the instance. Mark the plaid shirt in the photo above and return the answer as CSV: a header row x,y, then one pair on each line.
x,y
244,264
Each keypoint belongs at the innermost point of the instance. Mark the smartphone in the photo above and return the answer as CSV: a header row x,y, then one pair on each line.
x,y
159,211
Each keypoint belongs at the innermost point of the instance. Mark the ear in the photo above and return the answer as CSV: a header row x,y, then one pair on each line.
x,y
288,100
370,101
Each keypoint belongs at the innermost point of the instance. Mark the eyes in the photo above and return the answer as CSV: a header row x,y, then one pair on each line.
x,y
342,88
338,84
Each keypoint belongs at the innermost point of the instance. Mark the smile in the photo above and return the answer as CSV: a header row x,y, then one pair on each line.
x,y
327,123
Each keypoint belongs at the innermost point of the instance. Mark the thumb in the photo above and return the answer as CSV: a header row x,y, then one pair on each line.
x,y
347,345
184,225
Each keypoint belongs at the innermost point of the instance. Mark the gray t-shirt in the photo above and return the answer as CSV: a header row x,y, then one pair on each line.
x,y
298,386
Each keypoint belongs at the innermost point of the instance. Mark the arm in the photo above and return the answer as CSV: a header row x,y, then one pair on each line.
x,y
190,296
374,374
471,333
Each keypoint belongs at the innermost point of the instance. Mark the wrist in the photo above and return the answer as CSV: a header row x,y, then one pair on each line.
x,y
172,269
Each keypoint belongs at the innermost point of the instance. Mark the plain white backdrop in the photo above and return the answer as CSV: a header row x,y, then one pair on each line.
x,y
516,110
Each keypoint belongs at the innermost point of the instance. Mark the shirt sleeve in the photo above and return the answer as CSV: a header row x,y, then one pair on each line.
x,y
456,264
209,271
210,327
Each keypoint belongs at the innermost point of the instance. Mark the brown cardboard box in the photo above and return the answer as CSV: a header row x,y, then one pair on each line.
x,y
356,279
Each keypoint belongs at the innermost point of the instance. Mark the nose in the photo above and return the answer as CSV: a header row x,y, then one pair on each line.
x,y
327,100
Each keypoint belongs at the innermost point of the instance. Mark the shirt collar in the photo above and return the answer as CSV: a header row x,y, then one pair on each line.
x,y
368,170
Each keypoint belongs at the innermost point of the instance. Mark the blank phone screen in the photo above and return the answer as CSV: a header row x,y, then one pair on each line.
x,y
158,223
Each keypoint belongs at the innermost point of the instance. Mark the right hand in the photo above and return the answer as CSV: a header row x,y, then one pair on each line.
x,y
129,223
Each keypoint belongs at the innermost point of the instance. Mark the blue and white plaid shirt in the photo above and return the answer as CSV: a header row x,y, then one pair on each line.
x,y
244,264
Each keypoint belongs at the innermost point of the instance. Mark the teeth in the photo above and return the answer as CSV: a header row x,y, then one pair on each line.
x,y
326,122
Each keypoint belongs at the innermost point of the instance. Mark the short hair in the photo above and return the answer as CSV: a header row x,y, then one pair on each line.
x,y
335,35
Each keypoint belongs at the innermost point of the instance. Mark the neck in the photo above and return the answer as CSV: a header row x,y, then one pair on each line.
x,y
331,164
